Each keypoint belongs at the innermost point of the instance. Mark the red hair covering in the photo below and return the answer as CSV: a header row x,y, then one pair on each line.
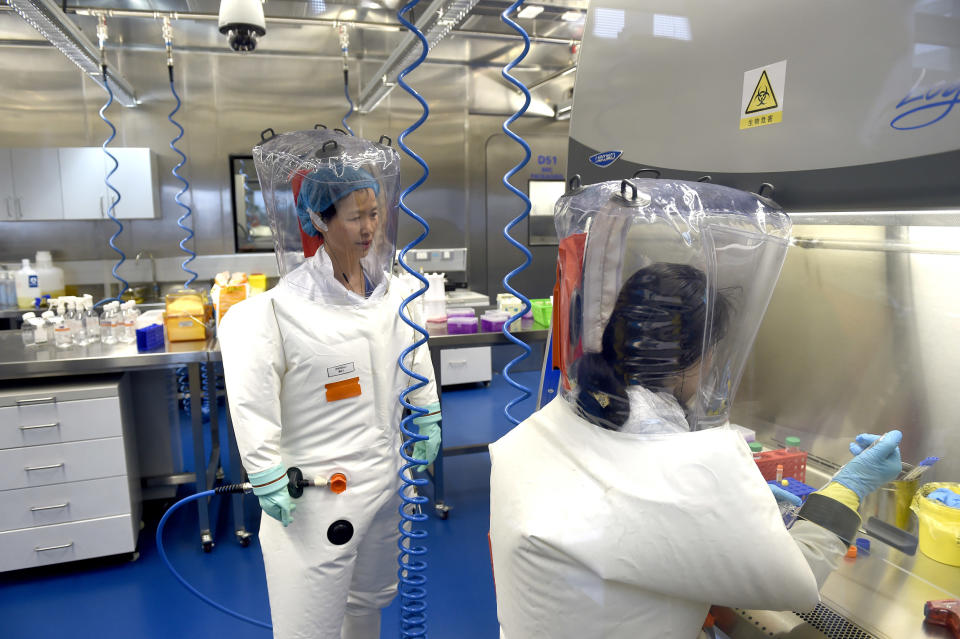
x,y
311,243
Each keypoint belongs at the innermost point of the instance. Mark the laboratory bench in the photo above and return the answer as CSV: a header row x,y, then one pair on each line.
x,y
456,358
45,379
39,366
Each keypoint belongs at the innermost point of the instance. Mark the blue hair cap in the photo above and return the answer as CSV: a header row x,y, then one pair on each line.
x,y
325,186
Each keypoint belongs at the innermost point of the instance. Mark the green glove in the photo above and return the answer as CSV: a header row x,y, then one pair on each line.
x,y
270,487
429,426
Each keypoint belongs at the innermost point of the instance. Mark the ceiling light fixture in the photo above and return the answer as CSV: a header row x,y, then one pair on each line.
x,y
436,22
571,16
54,25
530,11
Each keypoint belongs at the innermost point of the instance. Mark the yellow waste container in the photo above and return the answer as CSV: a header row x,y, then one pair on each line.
x,y
939,525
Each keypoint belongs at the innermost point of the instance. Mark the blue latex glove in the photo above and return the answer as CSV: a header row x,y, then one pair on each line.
x,y
872,468
429,426
946,497
784,496
270,487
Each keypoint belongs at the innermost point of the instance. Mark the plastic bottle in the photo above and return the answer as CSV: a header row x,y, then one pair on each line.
x,y
61,331
108,323
74,319
28,331
49,323
792,444
757,449
8,289
130,314
28,284
91,320
51,277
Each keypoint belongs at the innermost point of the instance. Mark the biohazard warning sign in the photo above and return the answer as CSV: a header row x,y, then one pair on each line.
x,y
763,95
763,98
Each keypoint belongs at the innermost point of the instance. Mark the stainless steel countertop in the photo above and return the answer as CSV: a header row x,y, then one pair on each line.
x,y
532,333
885,590
17,361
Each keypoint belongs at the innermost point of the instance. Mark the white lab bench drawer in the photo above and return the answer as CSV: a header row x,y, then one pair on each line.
x,y
465,365
51,422
61,503
61,463
45,545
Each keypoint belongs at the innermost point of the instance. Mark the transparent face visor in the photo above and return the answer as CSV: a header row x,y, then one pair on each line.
x,y
675,278
332,201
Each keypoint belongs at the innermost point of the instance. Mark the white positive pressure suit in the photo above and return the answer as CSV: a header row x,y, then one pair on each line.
x,y
627,506
312,377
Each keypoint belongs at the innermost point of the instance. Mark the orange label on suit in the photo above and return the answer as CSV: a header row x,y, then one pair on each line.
x,y
343,389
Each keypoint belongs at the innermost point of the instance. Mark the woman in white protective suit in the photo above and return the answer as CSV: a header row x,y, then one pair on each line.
x,y
313,382
627,506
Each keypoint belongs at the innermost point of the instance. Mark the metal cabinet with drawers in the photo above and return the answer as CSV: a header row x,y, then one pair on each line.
x,y
69,485
465,365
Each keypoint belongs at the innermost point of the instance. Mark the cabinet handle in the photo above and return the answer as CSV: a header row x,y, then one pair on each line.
x,y
101,206
60,547
457,362
38,400
36,508
53,425
19,208
51,467
7,200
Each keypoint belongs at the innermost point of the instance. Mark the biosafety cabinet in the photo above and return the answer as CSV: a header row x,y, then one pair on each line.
x,y
846,114
69,486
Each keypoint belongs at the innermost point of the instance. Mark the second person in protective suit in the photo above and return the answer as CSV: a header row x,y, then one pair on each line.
x,y
312,377
626,507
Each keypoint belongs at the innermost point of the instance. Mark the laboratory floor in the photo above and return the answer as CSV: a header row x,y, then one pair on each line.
x,y
114,597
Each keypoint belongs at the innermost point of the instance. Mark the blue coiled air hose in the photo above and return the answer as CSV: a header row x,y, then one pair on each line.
x,y
525,392
113,203
232,488
346,92
188,212
412,543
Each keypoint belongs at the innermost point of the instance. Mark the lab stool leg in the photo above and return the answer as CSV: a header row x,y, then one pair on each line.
x,y
236,477
439,505
199,454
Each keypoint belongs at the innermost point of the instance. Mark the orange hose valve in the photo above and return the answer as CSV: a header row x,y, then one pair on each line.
x,y
338,483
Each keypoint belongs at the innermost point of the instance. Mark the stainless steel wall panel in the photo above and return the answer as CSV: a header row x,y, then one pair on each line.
x,y
228,99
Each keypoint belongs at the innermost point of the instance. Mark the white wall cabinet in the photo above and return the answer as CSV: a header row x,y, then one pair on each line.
x,y
30,184
68,183
69,488
86,196
8,203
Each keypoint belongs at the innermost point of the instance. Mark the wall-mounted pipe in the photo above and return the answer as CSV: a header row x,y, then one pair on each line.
x,y
196,15
360,24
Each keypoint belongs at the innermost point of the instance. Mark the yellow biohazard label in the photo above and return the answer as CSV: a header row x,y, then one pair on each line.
x,y
763,98
763,95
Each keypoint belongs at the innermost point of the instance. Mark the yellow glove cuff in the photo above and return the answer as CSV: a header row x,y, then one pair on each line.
x,y
841,493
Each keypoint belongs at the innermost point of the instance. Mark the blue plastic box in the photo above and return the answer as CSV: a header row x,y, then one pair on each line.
x,y
149,338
